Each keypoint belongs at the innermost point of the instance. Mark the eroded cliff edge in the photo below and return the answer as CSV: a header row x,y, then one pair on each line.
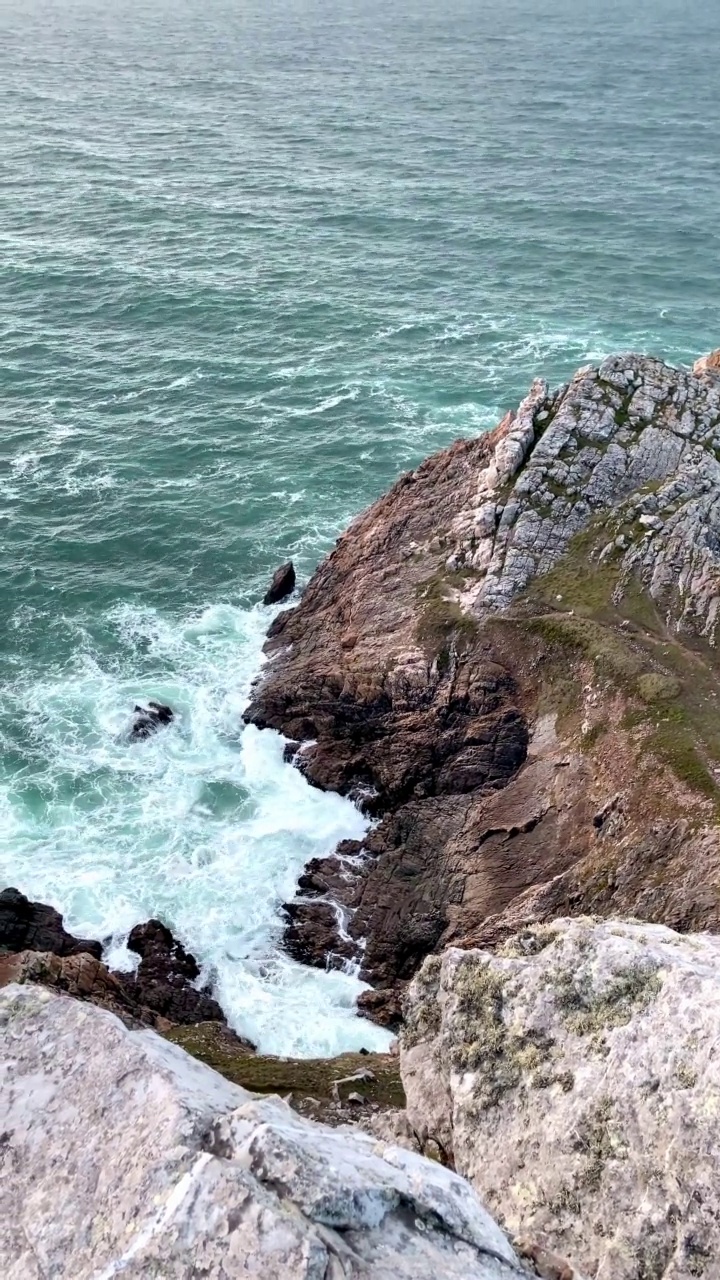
x,y
510,660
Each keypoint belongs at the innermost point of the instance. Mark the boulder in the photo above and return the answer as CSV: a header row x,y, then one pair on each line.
x,y
709,364
165,979
574,1076
125,1157
34,926
282,585
147,720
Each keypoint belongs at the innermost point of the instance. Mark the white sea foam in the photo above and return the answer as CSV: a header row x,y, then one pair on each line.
x,y
204,824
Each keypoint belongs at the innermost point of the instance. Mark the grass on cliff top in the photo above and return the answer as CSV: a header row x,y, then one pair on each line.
x,y
302,1077
672,685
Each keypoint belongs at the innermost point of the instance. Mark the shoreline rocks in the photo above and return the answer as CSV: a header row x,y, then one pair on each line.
x,y
509,661
282,585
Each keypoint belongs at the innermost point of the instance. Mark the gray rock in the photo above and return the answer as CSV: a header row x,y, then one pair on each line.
x,y
575,1075
122,1156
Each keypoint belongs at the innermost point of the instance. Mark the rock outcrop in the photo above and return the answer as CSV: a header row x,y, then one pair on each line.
x,y
35,947
122,1156
34,926
282,585
511,661
165,980
574,1077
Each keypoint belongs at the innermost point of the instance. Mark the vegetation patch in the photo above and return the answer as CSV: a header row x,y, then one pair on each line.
x,y
586,1011
301,1077
501,1057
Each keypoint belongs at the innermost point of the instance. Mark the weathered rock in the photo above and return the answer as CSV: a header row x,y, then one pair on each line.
x,y
33,926
511,660
709,364
80,974
282,585
383,1007
123,1156
147,720
574,1076
165,978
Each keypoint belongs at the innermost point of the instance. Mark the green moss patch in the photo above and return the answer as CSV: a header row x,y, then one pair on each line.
x,y
442,624
301,1077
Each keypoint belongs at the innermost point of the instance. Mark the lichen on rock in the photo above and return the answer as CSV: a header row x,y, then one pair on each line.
x,y
608,1150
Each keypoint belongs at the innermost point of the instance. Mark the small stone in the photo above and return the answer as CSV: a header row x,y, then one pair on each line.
x,y
282,585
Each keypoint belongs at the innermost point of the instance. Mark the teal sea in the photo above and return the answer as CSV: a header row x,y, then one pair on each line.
x,y
257,258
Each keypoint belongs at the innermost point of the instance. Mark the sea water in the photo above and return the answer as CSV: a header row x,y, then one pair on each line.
x,y
255,260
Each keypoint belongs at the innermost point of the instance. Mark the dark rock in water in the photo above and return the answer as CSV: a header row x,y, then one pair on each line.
x,y
33,926
312,935
146,720
282,585
290,751
164,978
382,1007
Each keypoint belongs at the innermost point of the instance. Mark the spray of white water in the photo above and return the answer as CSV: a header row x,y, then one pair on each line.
x,y
203,825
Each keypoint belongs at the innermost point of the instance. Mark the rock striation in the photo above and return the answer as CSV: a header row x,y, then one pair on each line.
x,y
573,1076
166,1169
510,661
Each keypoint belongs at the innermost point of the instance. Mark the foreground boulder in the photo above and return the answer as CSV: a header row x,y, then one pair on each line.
x,y
34,926
123,1156
575,1079
511,660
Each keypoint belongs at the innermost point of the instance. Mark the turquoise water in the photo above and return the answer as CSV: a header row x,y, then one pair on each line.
x,y
256,259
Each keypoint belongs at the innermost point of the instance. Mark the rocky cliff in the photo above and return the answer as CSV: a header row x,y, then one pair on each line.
x,y
510,661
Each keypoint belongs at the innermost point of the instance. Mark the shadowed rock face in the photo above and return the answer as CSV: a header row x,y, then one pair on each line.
x,y
282,585
510,659
38,949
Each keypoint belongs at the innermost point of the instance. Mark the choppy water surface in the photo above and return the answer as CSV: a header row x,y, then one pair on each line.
x,y
255,260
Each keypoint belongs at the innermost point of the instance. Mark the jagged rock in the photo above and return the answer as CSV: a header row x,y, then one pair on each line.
x,y
519,637
80,974
123,1156
282,585
147,720
164,980
709,364
383,1007
574,1076
33,926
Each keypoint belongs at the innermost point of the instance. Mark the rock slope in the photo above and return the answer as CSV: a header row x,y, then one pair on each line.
x,y
510,660
122,1156
575,1078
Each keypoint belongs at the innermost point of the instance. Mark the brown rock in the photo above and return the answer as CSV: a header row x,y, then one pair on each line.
x,y
282,585
499,695
709,364
383,1007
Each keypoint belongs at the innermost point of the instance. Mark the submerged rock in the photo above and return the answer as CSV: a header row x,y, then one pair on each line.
x,y
511,661
147,720
167,1169
34,926
575,1078
282,585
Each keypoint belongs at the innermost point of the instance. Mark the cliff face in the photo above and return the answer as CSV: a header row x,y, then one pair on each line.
x,y
510,660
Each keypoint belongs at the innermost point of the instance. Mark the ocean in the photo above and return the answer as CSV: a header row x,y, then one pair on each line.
x,y
256,259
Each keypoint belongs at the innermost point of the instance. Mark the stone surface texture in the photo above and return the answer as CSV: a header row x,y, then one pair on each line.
x,y
574,1076
427,669
122,1156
